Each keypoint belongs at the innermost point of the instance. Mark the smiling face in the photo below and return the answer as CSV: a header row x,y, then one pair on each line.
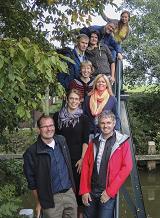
x,y
86,71
110,28
73,101
125,18
46,129
93,39
101,84
107,125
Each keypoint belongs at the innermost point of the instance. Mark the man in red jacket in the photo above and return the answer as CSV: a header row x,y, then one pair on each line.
x,y
106,165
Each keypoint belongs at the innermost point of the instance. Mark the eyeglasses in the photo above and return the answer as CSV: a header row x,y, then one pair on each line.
x,y
49,126
72,99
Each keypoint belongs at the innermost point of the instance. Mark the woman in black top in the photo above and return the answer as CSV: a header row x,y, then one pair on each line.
x,y
74,126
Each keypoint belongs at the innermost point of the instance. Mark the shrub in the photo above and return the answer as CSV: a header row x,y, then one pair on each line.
x,y
14,174
145,119
9,203
17,141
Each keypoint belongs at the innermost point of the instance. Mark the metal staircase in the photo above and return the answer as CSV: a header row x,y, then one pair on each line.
x,y
135,204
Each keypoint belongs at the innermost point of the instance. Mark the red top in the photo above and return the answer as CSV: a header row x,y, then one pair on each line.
x,y
119,168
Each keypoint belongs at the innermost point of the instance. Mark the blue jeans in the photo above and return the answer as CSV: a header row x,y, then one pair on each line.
x,y
96,209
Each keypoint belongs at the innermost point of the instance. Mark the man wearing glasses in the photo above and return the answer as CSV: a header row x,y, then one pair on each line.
x,y
48,170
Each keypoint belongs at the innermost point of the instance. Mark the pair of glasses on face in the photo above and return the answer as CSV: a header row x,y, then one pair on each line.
x,y
49,126
73,99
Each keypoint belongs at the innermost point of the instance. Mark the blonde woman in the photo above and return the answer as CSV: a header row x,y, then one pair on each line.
x,y
99,99
84,83
122,29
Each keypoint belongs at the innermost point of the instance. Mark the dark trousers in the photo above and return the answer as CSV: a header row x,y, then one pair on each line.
x,y
96,209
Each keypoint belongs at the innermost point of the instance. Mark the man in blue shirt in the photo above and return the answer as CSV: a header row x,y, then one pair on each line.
x,y
48,170
78,56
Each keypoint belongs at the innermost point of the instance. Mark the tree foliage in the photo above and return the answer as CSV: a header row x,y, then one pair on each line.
x,y
143,45
25,72
28,18
17,20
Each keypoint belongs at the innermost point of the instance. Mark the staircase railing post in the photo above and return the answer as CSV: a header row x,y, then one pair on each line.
x,y
118,95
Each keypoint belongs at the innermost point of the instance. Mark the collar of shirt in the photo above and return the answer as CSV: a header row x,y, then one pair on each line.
x,y
52,144
79,53
101,139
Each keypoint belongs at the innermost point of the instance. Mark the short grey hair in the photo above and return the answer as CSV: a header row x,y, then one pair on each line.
x,y
106,114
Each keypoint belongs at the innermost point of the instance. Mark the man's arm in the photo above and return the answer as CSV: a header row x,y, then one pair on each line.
x,y
29,171
66,78
88,30
124,172
85,186
115,45
38,205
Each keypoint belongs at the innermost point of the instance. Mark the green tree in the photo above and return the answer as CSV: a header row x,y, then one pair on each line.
x,y
26,71
143,45
17,20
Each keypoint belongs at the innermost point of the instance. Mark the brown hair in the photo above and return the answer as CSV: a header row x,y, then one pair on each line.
x,y
126,12
120,23
75,91
43,116
107,83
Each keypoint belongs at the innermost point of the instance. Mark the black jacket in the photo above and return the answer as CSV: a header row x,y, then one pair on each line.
x,y
37,164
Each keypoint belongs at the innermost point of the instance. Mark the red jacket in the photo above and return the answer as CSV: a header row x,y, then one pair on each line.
x,y
119,166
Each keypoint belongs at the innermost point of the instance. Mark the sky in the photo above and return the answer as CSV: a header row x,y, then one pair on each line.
x,y
110,11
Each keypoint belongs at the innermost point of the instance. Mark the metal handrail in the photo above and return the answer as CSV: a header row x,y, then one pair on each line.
x,y
118,96
138,209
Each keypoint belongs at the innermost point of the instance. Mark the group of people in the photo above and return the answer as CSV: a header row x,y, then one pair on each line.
x,y
99,44
80,156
